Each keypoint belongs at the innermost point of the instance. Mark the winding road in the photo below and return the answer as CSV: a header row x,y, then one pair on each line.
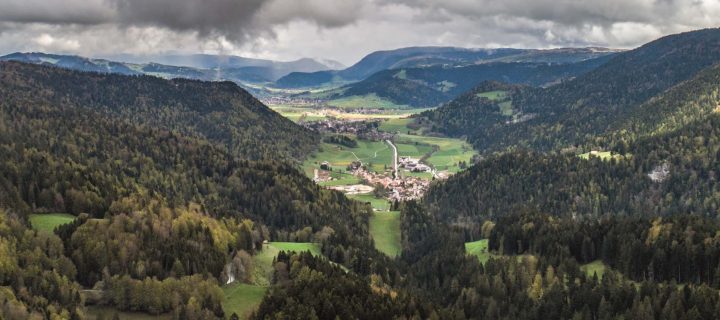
x,y
395,158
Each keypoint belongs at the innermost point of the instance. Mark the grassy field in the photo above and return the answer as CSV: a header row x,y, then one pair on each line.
x,y
314,248
370,101
396,125
478,248
48,221
385,230
595,267
107,312
310,113
242,299
376,152
493,95
603,155
378,204
450,151
340,179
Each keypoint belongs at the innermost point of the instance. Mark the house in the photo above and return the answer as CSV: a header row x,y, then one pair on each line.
x,y
325,166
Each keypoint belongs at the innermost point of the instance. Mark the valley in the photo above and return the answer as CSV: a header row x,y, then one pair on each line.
x,y
417,183
385,156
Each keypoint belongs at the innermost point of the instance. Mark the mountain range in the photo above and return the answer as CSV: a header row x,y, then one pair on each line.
x,y
568,113
431,86
436,56
200,66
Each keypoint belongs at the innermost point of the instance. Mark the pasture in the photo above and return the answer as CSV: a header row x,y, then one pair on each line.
x,y
479,249
309,113
378,153
396,125
242,299
603,155
482,252
48,221
449,151
493,95
377,204
369,101
385,231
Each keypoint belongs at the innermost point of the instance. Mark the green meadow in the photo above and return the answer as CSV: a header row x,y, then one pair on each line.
x,y
242,299
378,204
370,101
482,252
48,221
493,95
603,155
385,231
378,153
479,249
449,151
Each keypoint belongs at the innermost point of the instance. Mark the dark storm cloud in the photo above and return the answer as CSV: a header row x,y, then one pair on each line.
x,y
86,12
339,29
226,17
234,19
569,12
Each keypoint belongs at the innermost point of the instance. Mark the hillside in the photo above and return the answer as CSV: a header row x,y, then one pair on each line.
x,y
571,112
675,132
171,207
198,67
431,86
416,57
220,112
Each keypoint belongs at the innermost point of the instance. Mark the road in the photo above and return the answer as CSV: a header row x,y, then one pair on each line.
x,y
395,158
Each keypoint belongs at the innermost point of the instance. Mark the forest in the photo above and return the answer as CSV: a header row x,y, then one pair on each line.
x,y
173,196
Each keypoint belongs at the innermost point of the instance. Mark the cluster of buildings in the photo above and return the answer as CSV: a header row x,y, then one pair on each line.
x,y
291,101
413,165
399,189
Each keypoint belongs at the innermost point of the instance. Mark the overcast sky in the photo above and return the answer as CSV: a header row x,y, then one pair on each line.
x,y
342,30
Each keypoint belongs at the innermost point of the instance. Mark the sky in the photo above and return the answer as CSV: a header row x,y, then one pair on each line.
x,y
341,30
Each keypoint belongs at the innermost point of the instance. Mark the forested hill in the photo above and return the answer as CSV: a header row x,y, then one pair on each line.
x,y
220,112
166,211
432,86
592,104
661,161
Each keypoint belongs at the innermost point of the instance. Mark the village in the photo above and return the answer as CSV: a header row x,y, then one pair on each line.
x,y
385,184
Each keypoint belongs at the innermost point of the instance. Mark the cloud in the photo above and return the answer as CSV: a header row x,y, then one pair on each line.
x,y
232,19
344,30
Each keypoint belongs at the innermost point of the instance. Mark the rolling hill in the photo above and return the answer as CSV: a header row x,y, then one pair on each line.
x,y
415,57
157,173
199,67
592,104
432,86
220,112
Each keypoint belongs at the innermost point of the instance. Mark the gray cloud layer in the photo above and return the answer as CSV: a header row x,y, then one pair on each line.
x,y
341,29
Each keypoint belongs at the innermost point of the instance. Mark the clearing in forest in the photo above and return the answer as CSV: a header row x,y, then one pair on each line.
x,y
385,231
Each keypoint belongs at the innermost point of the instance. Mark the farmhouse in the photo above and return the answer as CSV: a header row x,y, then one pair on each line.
x,y
325,166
